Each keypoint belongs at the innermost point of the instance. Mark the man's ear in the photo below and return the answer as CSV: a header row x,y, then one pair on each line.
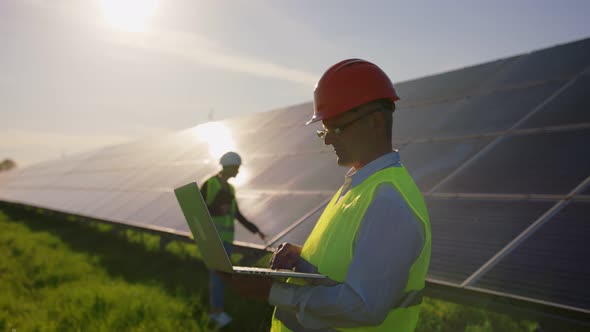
x,y
377,121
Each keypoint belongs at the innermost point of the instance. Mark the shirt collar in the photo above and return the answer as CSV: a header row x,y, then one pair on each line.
x,y
390,159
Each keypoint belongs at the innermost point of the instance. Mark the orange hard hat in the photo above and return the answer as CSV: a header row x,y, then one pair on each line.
x,y
347,85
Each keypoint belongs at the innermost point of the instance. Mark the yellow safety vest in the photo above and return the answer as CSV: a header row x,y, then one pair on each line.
x,y
224,224
330,246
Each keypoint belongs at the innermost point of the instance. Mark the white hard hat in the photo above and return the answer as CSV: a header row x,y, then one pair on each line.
x,y
230,159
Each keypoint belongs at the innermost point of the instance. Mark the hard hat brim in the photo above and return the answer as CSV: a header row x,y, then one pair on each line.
x,y
313,119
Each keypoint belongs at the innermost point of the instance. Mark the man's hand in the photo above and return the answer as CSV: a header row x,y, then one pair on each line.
x,y
253,287
286,256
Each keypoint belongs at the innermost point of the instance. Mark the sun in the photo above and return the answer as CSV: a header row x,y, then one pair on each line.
x,y
128,15
219,140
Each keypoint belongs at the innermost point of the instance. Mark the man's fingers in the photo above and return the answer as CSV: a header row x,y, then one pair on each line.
x,y
285,256
275,256
277,263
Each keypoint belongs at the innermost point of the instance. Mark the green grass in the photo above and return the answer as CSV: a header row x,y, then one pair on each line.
x,y
442,316
72,276
60,275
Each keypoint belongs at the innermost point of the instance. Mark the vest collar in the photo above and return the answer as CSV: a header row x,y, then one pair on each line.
x,y
391,159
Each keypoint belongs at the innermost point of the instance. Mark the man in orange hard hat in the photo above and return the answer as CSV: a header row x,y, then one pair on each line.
x,y
373,238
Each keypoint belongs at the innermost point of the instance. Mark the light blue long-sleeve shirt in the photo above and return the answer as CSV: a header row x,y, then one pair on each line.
x,y
388,241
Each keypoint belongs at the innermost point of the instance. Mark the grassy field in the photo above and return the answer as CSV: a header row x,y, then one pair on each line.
x,y
58,275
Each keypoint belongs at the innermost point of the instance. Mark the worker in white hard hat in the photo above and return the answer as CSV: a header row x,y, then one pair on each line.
x,y
220,198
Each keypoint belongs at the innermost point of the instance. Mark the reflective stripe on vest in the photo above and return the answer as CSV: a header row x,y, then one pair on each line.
x,y
330,245
223,224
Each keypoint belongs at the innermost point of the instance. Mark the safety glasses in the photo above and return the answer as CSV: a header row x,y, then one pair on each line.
x,y
338,130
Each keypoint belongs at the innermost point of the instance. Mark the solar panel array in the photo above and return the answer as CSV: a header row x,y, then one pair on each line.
x,y
499,151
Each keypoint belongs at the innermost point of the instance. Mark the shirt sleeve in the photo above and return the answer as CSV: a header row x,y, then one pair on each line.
x,y
389,239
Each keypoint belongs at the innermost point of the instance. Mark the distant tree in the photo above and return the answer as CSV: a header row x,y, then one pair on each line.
x,y
7,165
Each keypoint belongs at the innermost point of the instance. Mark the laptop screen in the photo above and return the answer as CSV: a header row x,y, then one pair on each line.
x,y
202,227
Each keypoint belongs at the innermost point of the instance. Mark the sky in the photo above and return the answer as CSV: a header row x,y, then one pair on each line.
x,y
76,75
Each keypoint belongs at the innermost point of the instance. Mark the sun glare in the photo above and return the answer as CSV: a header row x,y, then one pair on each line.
x,y
128,15
217,136
220,140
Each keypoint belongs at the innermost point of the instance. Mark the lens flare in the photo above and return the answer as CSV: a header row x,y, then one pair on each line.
x,y
129,15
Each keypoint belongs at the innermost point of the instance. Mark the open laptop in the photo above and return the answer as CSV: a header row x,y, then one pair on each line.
x,y
203,229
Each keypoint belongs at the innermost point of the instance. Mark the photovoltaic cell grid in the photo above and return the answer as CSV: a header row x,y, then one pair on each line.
x,y
430,162
569,108
492,146
468,232
487,112
552,265
543,163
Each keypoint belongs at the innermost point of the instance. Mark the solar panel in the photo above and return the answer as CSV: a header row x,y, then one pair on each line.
x,y
409,124
540,163
52,167
4,176
485,112
68,199
570,107
170,176
449,85
454,131
25,179
17,195
299,234
251,123
468,232
165,213
551,265
560,62
115,201
49,198
130,206
314,171
148,213
494,111
285,140
294,116
103,201
90,200
272,213
430,162
107,179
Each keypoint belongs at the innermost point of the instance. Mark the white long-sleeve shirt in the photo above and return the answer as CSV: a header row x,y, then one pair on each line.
x,y
388,241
